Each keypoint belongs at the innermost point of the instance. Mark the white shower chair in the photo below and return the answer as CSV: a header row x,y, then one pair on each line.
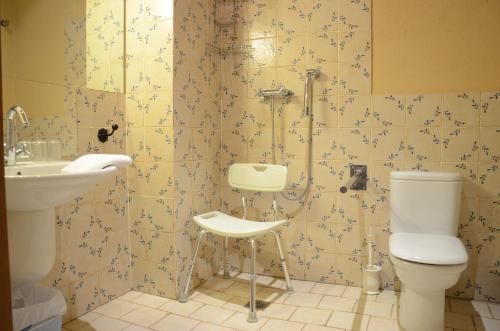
x,y
249,177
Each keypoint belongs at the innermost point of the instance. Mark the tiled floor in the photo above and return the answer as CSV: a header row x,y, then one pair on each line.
x,y
218,305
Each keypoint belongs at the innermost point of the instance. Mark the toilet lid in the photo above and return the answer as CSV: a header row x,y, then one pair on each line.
x,y
427,248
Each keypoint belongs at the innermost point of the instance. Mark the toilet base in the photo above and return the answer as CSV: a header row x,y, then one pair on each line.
x,y
421,311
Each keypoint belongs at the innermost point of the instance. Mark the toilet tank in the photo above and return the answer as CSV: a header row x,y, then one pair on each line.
x,y
425,202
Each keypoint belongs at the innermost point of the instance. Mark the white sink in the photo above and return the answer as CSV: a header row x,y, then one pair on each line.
x,y
33,190
40,185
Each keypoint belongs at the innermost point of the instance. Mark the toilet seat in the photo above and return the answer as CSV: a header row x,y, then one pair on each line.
x,y
428,248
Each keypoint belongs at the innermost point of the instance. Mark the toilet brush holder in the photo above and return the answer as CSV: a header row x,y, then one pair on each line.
x,y
371,279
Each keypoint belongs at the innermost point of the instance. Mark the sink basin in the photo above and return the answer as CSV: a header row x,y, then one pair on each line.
x,y
33,190
40,185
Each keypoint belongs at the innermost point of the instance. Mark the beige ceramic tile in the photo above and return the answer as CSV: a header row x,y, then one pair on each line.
x,y
388,110
495,310
328,289
311,316
218,284
278,311
372,308
303,299
310,327
104,323
348,321
486,324
213,298
179,308
116,308
131,295
210,327
136,328
150,300
144,316
470,307
461,109
175,322
273,325
337,303
490,109
383,324
239,321
212,314
81,321
464,322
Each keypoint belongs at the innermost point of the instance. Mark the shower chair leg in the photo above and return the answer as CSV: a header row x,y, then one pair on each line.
x,y
225,262
289,287
184,295
252,314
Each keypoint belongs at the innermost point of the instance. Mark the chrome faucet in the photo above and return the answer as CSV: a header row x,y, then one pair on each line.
x,y
11,149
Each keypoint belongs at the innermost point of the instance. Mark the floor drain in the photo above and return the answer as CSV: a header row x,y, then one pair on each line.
x,y
259,304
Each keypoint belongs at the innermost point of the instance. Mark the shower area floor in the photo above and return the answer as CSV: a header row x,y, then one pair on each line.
x,y
219,305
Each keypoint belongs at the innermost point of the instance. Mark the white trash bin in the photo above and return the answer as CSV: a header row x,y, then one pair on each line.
x,y
37,308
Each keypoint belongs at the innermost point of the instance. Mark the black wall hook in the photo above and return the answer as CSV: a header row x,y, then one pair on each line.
x,y
103,134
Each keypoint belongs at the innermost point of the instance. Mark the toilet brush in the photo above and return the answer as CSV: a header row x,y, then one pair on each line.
x,y
371,276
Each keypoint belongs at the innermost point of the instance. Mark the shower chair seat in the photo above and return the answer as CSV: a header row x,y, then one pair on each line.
x,y
225,225
251,177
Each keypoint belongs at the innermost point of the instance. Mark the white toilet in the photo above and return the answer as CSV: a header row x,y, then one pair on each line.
x,y
427,255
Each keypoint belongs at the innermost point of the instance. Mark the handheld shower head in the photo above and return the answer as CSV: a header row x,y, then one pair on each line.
x,y
310,75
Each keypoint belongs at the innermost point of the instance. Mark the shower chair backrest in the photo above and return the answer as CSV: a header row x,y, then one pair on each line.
x,y
257,177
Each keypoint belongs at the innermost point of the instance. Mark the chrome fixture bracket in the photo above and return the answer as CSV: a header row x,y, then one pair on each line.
x,y
281,91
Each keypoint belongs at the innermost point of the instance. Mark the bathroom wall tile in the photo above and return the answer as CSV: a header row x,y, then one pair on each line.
x,y
327,83
469,172
488,246
352,208
490,109
325,175
354,46
350,239
388,110
486,284
158,108
321,237
424,110
292,78
460,144
354,144
262,23
355,78
468,215
424,144
349,270
354,15
136,148
489,179
264,53
354,111
388,144
262,78
291,17
322,16
488,219
489,148
325,112
291,51
322,47
461,110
